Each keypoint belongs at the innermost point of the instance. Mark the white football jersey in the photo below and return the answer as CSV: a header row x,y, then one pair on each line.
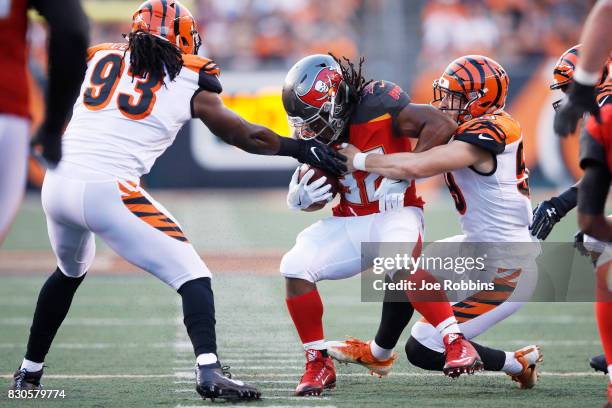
x,y
120,125
493,207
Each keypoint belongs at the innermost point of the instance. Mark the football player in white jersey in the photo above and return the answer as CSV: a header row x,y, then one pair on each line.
x,y
484,169
133,101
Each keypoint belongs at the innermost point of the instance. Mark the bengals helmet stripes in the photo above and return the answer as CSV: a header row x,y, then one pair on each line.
x,y
563,72
170,20
478,83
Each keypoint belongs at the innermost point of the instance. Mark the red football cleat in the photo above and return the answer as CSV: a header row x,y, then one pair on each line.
x,y
461,356
319,374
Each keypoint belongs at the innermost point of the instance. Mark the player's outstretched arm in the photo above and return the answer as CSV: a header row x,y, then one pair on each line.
x,y
68,41
592,195
409,166
428,124
256,139
550,212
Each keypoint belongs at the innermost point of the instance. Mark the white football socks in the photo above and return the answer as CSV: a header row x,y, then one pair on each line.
x,y
207,358
31,366
610,372
378,352
448,326
316,345
512,366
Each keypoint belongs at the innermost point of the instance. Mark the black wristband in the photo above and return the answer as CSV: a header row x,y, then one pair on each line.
x,y
566,201
288,147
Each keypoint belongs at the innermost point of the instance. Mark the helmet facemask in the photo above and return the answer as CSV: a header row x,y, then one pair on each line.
x,y
328,123
457,101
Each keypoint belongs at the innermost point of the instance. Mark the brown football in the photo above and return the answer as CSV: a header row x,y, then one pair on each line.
x,y
331,179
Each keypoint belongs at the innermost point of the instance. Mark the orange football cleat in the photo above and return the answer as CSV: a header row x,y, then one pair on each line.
x,y
358,352
461,356
319,374
529,357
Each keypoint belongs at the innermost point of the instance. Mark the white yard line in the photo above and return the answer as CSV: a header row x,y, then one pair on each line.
x,y
93,321
190,374
242,354
267,406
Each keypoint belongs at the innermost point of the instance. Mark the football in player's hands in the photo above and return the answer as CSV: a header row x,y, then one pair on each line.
x,y
318,173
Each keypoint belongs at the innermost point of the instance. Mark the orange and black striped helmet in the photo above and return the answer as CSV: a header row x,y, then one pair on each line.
x,y
563,72
479,83
170,20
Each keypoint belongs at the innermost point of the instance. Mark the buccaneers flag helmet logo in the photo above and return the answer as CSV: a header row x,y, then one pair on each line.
x,y
320,88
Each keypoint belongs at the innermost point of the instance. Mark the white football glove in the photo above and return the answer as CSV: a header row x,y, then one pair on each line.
x,y
301,194
390,194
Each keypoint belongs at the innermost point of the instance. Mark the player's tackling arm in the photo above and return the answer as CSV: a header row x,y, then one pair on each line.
x,y
437,160
252,138
428,124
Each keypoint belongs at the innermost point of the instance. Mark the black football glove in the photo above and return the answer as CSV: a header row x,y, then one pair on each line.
x,y
322,156
545,216
580,99
47,145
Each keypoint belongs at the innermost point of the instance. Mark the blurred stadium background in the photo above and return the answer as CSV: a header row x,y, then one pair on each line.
x,y
218,190
232,206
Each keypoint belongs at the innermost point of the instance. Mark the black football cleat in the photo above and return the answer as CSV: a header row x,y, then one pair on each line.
x,y
599,363
214,381
27,380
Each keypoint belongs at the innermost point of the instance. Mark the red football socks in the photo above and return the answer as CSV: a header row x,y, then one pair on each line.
x,y
307,314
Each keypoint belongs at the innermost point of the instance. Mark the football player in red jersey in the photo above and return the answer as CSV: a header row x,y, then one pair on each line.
x,y
596,160
68,29
329,100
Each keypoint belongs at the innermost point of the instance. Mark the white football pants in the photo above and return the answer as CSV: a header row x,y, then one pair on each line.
x,y
331,247
79,204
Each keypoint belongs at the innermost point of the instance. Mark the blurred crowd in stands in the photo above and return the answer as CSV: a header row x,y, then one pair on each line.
x,y
272,34
513,31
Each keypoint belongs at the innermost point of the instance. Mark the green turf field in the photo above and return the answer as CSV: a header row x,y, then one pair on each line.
x,y
123,343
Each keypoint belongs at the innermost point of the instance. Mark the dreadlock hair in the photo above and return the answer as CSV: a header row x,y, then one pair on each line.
x,y
352,76
151,55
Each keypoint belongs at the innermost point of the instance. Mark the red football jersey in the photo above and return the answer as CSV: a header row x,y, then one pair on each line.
x,y
14,93
372,129
596,143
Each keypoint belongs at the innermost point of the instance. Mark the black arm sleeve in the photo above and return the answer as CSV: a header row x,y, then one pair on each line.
x,y
566,201
68,41
593,190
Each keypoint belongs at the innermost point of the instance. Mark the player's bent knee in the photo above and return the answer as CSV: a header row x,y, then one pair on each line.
x,y
420,356
73,270
72,273
293,267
